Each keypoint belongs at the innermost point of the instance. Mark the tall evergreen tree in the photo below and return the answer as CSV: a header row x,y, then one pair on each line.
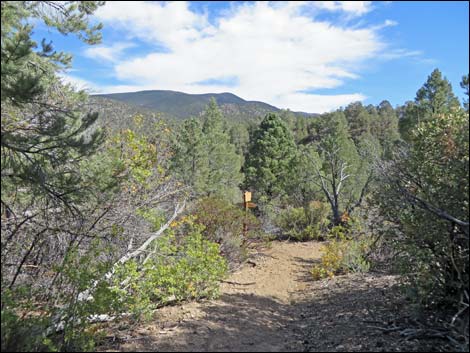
x,y
296,124
43,133
190,161
384,126
240,137
224,164
271,158
341,169
435,97
205,159
50,190
359,120
465,86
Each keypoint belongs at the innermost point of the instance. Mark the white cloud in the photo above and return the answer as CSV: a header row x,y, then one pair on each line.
x,y
385,24
353,8
400,53
93,88
170,23
318,103
390,23
108,53
273,50
79,83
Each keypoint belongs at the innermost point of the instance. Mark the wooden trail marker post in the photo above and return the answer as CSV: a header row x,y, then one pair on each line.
x,y
246,197
246,204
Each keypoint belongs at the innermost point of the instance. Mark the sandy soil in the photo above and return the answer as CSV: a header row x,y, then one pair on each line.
x,y
272,305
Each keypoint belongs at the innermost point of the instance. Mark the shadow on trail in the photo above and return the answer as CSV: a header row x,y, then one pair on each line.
x,y
339,316
305,265
236,322
343,313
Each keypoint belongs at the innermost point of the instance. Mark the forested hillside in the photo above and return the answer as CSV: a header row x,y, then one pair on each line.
x,y
112,211
182,105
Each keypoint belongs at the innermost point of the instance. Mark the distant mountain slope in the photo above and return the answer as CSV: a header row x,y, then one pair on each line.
x,y
115,115
182,105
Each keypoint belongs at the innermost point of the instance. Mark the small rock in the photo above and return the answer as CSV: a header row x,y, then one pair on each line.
x,y
171,298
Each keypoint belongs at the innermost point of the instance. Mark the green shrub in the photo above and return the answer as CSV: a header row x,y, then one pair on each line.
x,y
25,326
331,260
342,255
17,326
183,266
29,321
354,259
338,233
430,249
352,228
190,269
223,224
304,224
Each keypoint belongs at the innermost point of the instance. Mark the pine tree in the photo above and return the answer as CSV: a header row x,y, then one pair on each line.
x,y
271,158
342,169
434,97
465,86
296,124
43,133
48,195
384,126
359,120
190,161
224,164
240,137
205,158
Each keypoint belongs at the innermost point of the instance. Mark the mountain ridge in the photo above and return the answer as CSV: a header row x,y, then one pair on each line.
x,y
182,105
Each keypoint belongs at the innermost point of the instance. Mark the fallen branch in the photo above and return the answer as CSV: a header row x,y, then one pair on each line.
x,y
239,284
386,329
85,295
59,322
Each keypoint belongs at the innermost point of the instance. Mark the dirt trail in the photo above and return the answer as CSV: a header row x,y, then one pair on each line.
x,y
253,313
272,305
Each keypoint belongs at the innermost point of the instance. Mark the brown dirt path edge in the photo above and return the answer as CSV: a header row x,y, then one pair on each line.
x,y
272,305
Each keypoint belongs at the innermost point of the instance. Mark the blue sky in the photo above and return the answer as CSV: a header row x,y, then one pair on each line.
x,y
306,56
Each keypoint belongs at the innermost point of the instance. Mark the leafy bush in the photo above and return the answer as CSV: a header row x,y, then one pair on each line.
x,y
181,267
331,260
350,228
342,255
425,198
189,269
338,233
355,259
223,224
304,224
15,327
27,326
